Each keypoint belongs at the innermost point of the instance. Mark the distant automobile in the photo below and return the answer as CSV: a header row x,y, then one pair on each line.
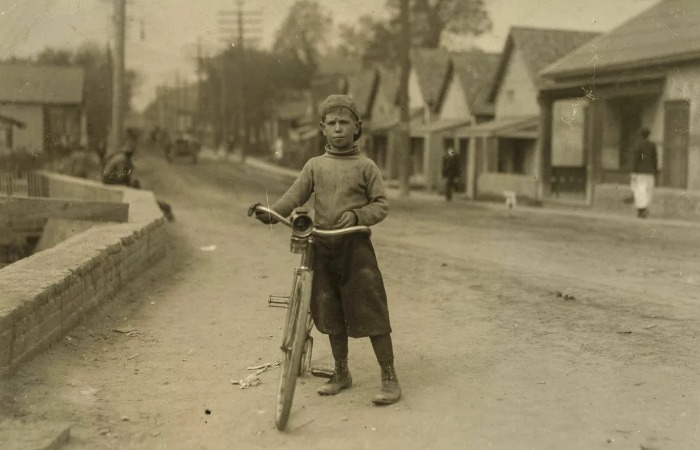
x,y
184,145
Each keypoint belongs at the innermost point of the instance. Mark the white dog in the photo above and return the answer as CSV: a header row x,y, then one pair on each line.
x,y
511,199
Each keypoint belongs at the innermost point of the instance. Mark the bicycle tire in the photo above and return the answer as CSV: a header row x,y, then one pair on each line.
x,y
291,360
305,364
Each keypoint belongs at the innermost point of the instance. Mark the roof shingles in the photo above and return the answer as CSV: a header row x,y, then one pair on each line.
x,y
431,67
475,71
43,84
668,31
541,47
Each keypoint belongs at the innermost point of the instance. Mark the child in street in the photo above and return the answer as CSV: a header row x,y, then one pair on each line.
x,y
348,296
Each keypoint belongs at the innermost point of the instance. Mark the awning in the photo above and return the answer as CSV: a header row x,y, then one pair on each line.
x,y
439,125
383,126
303,133
11,121
516,127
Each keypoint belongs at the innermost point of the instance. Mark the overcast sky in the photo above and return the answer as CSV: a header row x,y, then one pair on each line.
x,y
171,27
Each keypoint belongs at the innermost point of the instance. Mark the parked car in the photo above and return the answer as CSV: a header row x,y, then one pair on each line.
x,y
184,145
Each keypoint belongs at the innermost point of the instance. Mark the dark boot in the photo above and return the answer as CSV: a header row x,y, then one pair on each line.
x,y
340,380
391,390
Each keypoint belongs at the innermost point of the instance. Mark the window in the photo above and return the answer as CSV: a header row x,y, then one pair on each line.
x,y
512,155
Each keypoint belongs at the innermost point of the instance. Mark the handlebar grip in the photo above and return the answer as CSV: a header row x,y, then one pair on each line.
x,y
259,207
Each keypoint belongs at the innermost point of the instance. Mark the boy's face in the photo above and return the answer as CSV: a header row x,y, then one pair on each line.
x,y
340,127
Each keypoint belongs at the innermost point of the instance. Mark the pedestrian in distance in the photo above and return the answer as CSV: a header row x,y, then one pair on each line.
x,y
644,171
450,171
348,295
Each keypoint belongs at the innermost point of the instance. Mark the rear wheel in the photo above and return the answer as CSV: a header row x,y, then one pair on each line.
x,y
293,346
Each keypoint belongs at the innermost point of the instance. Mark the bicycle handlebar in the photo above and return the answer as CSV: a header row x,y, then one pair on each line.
x,y
316,232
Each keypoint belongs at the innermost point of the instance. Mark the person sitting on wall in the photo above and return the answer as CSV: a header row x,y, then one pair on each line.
x,y
120,168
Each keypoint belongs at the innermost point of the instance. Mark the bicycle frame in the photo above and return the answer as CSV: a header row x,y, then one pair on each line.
x,y
297,343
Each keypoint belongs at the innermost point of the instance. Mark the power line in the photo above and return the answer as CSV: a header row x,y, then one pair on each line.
x,y
238,24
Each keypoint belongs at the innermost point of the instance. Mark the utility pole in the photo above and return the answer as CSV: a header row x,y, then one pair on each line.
x,y
198,109
404,127
242,130
118,76
179,118
160,98
238,23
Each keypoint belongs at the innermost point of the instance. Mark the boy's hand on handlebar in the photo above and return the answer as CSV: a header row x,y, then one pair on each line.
x,y
347,219
262,216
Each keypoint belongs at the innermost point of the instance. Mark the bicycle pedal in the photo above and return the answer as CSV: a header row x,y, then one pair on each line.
x,y
278,301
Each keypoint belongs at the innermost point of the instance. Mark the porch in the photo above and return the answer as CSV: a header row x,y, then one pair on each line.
x,y
501,156
590,158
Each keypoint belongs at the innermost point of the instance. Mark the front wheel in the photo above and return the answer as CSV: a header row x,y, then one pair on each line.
x,y
293,346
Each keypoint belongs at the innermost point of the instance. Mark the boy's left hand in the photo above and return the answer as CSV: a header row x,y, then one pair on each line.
x,y
348,219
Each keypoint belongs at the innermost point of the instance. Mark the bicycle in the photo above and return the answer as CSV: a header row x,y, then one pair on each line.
x,y
297,342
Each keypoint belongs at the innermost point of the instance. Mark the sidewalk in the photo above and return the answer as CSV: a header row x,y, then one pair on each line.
x,y
423,196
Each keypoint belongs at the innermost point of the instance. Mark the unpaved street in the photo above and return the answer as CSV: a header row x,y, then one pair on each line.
x,y
512,330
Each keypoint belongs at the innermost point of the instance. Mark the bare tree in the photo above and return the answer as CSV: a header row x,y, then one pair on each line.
x,y
377,39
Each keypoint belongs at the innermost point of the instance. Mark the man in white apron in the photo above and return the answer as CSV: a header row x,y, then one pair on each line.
x,y
644,170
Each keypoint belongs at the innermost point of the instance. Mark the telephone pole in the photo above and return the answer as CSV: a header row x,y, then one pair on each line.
x,y
118,76
242,129
404,127
241,24
198,111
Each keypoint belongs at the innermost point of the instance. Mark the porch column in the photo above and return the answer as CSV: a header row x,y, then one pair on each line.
x,y
471,167
595,138
543,150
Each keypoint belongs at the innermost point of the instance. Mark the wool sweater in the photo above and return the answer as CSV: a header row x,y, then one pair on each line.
x,y
342,181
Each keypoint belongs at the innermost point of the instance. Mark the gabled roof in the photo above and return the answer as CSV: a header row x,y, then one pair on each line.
x,y
431,66
539,48
389,83
362,86
475,71
667,32
43,84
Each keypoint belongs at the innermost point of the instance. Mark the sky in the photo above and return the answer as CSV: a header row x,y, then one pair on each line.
x,y
162,34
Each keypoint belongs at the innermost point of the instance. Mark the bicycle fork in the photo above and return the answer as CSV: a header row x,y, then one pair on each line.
x,y
300,296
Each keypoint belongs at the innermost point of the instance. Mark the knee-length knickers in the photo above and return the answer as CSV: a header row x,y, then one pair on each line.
x,y
348,293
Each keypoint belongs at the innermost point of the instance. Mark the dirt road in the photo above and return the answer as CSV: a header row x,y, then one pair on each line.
x,y
512,330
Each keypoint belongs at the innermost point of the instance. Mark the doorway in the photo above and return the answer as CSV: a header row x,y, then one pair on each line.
x,y
676,131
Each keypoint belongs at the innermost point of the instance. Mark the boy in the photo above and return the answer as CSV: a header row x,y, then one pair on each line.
x,y
348,291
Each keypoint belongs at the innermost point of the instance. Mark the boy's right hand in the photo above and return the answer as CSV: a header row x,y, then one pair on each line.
x,y
262,216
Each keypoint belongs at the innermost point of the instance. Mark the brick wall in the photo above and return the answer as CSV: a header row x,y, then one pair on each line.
x,y
44,296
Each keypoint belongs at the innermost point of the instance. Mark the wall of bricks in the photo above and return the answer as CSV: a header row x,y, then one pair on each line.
x,y
44,296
